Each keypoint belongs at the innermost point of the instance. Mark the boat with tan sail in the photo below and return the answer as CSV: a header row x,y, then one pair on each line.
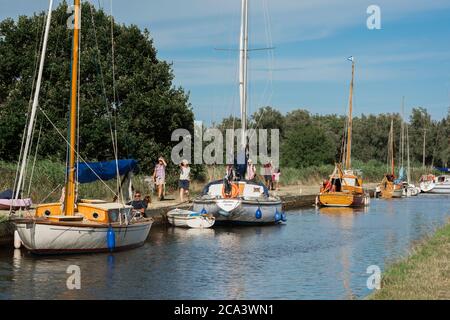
x,y
74,225
345,185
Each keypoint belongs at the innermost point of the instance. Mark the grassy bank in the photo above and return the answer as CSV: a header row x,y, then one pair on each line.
x,y
48,179
424,274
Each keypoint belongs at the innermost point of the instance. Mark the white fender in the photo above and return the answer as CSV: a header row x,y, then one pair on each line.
x,y
17,240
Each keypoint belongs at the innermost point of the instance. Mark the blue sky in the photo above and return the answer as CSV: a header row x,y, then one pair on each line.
x,y
409,56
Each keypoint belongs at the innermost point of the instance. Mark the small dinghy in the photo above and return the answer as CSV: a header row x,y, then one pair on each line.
x,y
8,202
190,219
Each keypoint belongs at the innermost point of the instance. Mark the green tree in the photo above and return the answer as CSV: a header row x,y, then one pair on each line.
x,y
143,106
307,146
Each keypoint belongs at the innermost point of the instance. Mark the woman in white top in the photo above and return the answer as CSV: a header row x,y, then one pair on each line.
x,y
183,183
251,170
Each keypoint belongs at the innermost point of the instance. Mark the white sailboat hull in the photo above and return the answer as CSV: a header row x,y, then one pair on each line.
x,y
49,238
240,211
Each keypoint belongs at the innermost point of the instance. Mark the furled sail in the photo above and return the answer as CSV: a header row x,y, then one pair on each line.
x,y
107,170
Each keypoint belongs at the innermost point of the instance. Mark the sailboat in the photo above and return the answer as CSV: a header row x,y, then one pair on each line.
x,y
402,186
77,226
432,184
240,201
410,188
389,187
345,187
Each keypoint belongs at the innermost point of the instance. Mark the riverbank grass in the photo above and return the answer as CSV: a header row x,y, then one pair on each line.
x,y
424,274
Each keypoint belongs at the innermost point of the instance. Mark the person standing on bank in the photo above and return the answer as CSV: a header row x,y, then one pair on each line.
x,y
251,170
268,175
159,176
183,183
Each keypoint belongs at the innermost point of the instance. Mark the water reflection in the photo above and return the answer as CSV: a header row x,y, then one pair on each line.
x,y
339,211
319,254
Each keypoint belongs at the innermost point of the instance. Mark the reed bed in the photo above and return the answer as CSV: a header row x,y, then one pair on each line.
x,y
48,179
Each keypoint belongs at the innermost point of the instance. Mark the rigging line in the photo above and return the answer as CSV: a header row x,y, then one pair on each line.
x,y
78,113
51,192
34,161
116,151
29,152
30,100
270,55
264,4
102,77
80,157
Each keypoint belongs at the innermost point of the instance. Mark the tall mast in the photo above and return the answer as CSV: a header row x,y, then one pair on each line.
x,y
69,201
402,135
20,181
348,153
408,174
243,57
391,147
424,144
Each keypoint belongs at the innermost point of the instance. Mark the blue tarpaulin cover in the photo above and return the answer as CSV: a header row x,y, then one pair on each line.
x,y
103,170
443,169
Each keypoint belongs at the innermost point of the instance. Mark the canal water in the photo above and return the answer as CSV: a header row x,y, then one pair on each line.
x,y
317,254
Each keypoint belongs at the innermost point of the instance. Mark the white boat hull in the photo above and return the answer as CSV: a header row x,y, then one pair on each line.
x,y
49,238
189,219
240,211
441,188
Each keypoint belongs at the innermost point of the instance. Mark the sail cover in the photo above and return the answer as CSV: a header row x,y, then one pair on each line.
x,y
93,171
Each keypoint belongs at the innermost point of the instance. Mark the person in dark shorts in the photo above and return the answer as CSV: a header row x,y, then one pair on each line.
x,y
183,182
268,175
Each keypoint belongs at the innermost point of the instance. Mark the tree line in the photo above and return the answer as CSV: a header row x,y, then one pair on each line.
x,y
139,104
313,139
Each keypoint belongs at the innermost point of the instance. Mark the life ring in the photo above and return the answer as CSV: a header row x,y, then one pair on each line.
x,y
234,191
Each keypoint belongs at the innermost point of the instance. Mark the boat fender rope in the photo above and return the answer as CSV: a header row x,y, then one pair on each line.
x,y
258,214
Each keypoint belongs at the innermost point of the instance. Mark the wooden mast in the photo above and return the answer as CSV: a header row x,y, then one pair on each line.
x,y
70,197
348,160
391,147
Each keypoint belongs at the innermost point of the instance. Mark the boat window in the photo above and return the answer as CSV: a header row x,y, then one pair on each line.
x,y
441,179
113,215
350,181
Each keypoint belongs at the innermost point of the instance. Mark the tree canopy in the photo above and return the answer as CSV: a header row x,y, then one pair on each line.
x,y
142,103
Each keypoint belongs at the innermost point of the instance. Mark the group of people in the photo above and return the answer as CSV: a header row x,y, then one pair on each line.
x,y
271,178
159,177
271,175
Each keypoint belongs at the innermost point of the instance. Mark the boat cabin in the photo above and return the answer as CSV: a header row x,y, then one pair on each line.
x,y
443,179
242,188
97,211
